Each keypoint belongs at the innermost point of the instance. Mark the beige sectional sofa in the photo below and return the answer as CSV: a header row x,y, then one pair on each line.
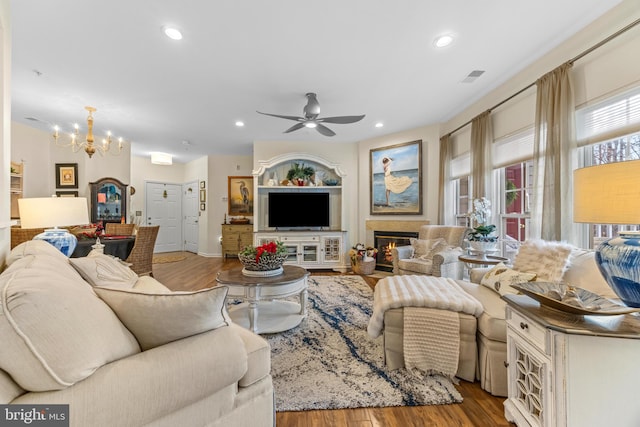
x,y
489,329
63,344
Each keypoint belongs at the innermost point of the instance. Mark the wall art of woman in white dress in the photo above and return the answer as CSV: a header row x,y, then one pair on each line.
x,y
396,184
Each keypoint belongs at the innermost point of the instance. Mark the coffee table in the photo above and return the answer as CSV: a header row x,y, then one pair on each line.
x,y
484,260
264,311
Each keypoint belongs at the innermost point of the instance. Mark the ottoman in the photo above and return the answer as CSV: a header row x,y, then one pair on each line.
x,y
394,343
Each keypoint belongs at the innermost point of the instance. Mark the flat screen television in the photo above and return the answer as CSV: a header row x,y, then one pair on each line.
x,y
298,210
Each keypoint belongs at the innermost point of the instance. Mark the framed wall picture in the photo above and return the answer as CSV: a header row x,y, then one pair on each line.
x,y
203,196
203,206
240,195
66,175
67,193
203,184
396,179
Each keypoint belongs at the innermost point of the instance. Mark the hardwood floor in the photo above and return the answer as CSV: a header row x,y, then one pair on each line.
x,y
479,408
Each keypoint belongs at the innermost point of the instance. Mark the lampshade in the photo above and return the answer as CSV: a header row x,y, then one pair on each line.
x,y
46,212
161,158
607,194
610,194
43,212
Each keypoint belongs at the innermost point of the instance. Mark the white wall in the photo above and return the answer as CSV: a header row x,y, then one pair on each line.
x,y
605,71
429,135
5,127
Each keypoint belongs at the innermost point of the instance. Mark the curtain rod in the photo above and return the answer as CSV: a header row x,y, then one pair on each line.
x,y
571,61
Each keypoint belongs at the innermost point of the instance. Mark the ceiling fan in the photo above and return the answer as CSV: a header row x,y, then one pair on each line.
x,y
311,120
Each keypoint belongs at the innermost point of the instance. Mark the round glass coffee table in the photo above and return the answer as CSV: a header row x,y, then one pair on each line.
x,y
264,309
481,260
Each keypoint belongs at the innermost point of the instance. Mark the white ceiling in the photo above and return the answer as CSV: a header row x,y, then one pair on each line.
x,y
373,57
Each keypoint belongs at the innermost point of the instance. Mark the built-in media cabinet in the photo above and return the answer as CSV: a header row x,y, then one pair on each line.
x,y
307,218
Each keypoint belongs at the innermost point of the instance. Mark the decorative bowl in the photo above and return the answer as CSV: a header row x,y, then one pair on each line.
x,y
331,182
267,262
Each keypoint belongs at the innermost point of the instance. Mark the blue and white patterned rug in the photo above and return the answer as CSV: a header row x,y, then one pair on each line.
x,y
329,361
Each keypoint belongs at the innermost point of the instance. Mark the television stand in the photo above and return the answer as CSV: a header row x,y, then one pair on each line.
x,y
310,249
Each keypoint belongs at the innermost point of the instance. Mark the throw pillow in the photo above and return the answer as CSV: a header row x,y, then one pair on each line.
x,y
547,259
156,319
104,270
500,277
424,249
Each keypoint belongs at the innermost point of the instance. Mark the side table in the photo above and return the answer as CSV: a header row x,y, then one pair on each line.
x,y
570,370
472,261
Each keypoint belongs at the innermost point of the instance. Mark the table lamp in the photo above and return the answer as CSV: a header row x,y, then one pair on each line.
x,y
610,194
42,212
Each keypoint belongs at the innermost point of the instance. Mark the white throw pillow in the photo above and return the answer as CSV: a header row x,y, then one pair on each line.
x,y
424,249
547,259
104,270
157,319
500,277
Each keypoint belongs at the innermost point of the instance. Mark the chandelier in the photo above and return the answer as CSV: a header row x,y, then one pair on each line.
x,y
89,147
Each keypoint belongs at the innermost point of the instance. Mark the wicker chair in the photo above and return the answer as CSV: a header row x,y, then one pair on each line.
x,y
141,256
19,235
117,229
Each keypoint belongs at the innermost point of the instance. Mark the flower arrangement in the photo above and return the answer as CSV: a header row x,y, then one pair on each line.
x,y
361,253
482,232
269,256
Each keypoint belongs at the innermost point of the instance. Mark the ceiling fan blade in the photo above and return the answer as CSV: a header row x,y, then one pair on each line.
x,y
294,127
324,130
299,119
342,119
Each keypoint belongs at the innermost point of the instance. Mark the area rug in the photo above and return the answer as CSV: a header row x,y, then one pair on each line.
x,y
329,361
163,259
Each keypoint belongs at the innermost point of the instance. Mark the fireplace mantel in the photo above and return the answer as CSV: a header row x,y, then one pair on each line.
x,y
394,225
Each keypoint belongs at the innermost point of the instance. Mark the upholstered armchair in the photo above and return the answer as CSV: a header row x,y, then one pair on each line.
x,y
438,248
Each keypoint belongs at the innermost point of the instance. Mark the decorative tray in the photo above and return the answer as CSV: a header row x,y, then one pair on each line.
x,y
571,299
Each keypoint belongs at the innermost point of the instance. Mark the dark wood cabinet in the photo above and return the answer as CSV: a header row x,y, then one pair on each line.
x,y
108,200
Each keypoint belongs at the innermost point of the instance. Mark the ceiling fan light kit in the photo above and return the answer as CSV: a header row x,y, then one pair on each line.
x,y
311,120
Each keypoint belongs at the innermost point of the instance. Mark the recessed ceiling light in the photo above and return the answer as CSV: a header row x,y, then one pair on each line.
x,y
379,124
239,123
443,40
172,32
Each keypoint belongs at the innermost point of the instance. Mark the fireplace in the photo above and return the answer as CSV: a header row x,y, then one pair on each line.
x,y
384,241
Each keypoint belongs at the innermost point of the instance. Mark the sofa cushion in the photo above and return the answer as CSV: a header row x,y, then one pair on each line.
x,y
156,319
55,331
500,278
258,353
104,270
583,272
420,266
547,259
425,248
34,247
149,285
491,323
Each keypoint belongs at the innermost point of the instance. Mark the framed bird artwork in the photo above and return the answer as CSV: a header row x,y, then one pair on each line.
x,y
240,195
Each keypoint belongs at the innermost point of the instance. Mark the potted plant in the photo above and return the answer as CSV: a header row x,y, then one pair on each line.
x,y
299,173
482,238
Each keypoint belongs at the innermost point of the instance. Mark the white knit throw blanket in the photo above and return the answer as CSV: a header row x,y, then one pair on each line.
x,y
419,291
431,340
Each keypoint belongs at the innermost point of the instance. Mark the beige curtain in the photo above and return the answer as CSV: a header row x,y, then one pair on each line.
x,y
554,157
445,177
481,140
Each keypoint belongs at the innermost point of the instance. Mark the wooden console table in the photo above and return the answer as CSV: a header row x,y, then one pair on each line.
x,y
235,237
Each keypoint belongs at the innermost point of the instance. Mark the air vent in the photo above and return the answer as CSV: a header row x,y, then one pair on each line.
x,y
472,76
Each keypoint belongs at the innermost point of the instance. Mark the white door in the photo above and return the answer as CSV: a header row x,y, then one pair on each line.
x,y
164,208
190,210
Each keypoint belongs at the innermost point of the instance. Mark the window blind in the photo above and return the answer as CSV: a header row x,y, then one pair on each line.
x,y
611,118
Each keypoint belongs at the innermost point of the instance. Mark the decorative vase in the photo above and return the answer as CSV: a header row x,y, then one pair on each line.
x,y
267,264
483,248
619,262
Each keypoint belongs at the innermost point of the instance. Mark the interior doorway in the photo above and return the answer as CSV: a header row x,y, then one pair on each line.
x,y
191,215
163,206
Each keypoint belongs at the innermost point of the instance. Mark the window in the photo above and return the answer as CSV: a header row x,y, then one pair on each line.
x,y
462,188
516,182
